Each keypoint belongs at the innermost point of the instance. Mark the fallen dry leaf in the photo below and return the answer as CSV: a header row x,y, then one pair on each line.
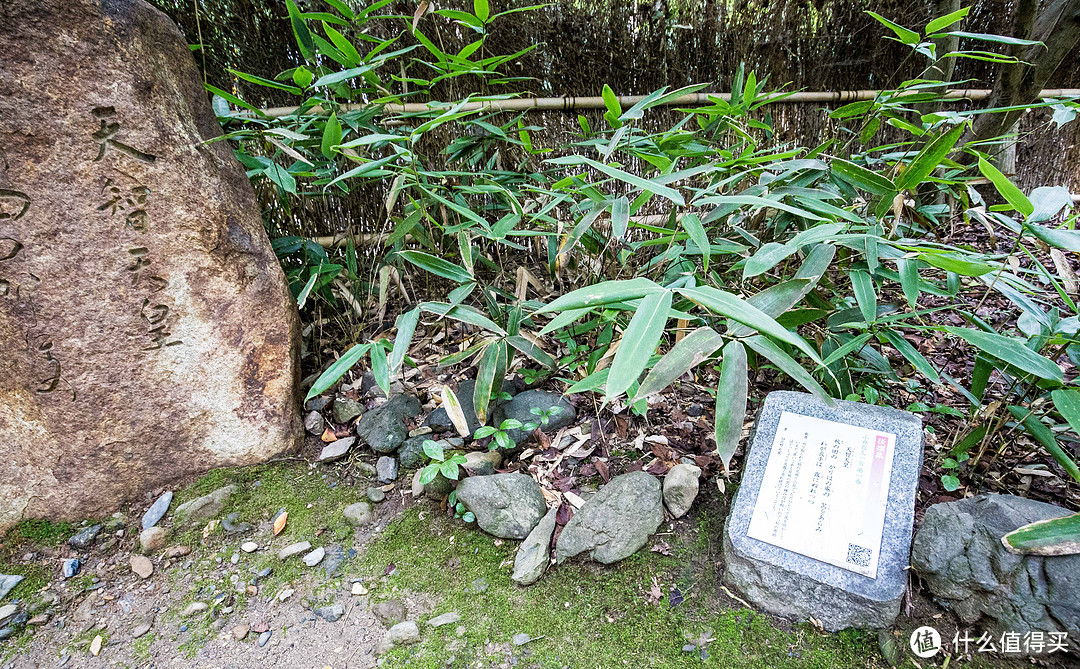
x,y
329,436
279,522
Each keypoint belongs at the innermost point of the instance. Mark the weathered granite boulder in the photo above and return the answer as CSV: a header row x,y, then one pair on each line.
x,y
506,505
616,522
147,329
960,557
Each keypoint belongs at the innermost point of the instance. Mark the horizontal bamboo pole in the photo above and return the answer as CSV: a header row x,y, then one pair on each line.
x,y
574,103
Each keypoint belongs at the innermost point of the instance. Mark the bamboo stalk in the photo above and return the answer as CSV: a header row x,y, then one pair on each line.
x,y
594,102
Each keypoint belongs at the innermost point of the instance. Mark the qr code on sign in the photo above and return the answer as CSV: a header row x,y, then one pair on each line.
x,y
858,556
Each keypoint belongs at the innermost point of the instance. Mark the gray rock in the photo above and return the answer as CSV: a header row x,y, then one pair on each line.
x,y
505,505
478,586
358,513
521,408
403,634
332,613
482,463
411,453
152,539
616,522
157,510
335,557
317,403
205,507
8,583
7,611
375,495
789,584
533,555
383,428
264,637
231,525
959,555
346,409
314,423
193,608
520,639
85,537
438,488
294,549
417,489
681,488
315,557
444,619
140,630
71,567
386,469
390,612
336,449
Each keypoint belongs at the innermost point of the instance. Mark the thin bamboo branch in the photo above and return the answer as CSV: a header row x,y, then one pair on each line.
x,y
574,103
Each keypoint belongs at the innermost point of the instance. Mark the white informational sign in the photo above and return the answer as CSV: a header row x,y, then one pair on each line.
x,y
824,492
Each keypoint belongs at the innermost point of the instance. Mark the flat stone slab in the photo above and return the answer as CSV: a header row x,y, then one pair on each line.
x,y
793,584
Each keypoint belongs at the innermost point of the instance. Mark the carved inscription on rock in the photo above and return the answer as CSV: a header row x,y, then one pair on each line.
x,y
146,327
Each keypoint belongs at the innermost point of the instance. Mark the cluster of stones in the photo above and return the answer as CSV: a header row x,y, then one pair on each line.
x,y
383,429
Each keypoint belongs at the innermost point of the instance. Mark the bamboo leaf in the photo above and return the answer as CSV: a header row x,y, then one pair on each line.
x,y
920,363
331,136
683,356
906,36
1067,402
863,286
943,22
620,217
697,233
379,367
788,365
928,160
1008,189
1054,536
532,350
638,342
774,301
908,269
489,378
406,327
1062,239
767,257
731,394
337,370
616,173
437,266
453,410
1046,437
463,313
951,263
300,31
1010,350
603,293
860,177
738,309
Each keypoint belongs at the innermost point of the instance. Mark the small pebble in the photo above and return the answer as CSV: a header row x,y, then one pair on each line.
x,y
264,637
250,547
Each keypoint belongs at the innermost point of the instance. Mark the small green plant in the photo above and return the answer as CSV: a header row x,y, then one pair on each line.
x,y
459,509
439,463
502,432
545,414
949,480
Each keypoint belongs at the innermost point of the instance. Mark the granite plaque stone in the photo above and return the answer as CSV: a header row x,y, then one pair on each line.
x,y
821,524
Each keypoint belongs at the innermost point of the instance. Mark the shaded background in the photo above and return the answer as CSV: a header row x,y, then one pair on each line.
x,y
635,47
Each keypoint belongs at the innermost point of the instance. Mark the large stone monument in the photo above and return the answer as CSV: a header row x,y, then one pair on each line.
x,y
146,329
821,524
